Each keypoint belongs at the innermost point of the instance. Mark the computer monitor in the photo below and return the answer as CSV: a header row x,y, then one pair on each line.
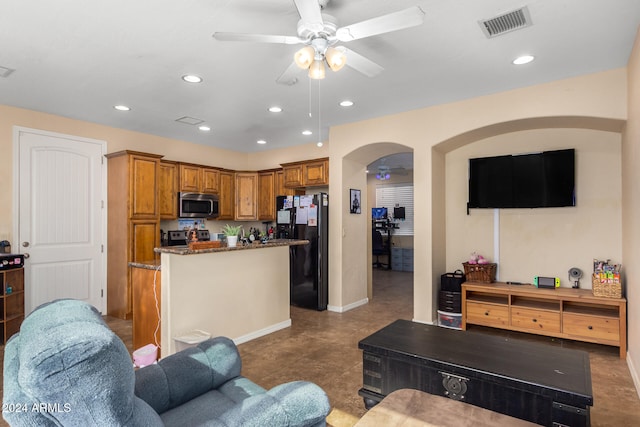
x,y
378,213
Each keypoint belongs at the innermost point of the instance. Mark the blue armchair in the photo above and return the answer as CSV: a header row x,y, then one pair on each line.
x,y
66,367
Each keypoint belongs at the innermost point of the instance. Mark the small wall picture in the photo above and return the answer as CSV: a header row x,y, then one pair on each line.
x,y
355,201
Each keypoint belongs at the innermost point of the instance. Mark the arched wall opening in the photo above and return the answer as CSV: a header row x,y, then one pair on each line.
x,y
356,282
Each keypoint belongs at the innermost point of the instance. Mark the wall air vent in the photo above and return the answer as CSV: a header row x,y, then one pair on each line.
x,y
506,23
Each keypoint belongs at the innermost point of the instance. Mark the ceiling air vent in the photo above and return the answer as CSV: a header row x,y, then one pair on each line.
x,y
506,23
189,120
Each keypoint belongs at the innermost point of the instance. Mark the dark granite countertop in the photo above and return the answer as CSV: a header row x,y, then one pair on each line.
x,y
184,250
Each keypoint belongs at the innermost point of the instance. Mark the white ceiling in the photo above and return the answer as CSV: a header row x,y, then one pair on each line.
x,y
79,58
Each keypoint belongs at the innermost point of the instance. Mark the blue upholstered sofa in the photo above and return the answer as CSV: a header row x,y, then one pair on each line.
x,y
66,367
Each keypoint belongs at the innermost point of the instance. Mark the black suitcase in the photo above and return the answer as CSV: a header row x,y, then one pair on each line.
x,y
452,282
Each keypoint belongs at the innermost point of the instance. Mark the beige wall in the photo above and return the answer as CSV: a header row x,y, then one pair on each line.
x,y
541,242
630,210
119,139
592,102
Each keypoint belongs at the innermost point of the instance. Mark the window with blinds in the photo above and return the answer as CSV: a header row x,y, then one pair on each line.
x,y
397,195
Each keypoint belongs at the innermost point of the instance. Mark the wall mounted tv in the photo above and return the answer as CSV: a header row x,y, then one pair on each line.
x,y
537,180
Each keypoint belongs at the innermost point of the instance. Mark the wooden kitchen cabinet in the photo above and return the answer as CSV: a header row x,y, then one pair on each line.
x,y
227,195
168,190
133,222
316,173
563,312
246,190
293,175
199,179
309,173
210,180
266,195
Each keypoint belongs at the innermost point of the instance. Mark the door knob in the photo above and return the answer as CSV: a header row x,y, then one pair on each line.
x,y
25,244
26,255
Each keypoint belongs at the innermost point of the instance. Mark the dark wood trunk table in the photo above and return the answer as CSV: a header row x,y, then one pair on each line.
x,y
536,382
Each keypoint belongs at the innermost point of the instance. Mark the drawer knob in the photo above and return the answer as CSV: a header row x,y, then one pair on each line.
x,y
534,320
589,327
486,313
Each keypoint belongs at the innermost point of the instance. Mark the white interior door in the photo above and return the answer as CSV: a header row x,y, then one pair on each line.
x,y
60,193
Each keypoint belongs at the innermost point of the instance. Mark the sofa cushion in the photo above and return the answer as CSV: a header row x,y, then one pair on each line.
x,y
180,377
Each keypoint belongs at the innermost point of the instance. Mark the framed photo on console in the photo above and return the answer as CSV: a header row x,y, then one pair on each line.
x,y
355,200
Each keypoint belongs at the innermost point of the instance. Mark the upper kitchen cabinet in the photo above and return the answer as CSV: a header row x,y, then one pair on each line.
x,y
267,195
132,220
316,173
227,195
246,189
168,190
199,179
310,173
144,186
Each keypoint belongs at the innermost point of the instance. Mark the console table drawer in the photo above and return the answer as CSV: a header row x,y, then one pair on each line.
x,y
598,328
487,314
535,320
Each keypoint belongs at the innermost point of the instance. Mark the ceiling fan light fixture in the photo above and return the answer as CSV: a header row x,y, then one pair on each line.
x,y
335,58
316,70
304,57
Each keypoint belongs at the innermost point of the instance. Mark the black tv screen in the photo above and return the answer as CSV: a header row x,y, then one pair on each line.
x,y
537,180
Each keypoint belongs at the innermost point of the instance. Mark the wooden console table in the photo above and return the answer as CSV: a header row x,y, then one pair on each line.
x,y
561,312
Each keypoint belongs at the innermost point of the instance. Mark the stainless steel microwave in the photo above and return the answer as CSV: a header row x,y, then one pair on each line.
x,y
198,205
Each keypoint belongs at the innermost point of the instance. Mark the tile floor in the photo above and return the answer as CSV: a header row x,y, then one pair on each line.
x,y
323,347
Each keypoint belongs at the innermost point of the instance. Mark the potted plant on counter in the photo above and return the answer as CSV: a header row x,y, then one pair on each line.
x,y
231,232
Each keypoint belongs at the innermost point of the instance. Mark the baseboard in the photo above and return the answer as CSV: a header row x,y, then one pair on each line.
x,y
348,307
262,332
634,373
433,322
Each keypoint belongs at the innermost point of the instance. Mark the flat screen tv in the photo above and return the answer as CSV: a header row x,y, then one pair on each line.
x,y
537,180
378,213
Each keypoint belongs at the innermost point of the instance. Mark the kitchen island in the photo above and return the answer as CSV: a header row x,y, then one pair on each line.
x,y
241,292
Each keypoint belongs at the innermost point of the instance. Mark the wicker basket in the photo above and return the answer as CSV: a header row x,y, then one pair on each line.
x,y
606,289
483,273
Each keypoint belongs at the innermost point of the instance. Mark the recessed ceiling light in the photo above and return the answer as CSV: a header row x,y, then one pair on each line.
x,y
319,144
524,59
275,109
192,78
204,128
346,103
261,141
307,132
122,108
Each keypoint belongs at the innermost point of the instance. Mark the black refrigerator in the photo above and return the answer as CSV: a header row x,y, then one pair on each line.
x,y
306,217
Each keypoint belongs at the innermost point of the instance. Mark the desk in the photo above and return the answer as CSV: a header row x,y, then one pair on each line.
x,y
531,381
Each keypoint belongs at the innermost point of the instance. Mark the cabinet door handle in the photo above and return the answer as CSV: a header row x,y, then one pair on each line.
x,y
589,327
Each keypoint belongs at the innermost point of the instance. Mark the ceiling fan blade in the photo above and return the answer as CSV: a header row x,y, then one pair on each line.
x,y
309,11
361,64
289,77
260,38
406,18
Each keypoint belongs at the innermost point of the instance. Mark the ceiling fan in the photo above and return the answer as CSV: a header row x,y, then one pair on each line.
x,y
384,171
320,34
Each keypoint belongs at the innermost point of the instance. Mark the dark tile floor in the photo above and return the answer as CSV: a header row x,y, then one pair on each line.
x,y
323,347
